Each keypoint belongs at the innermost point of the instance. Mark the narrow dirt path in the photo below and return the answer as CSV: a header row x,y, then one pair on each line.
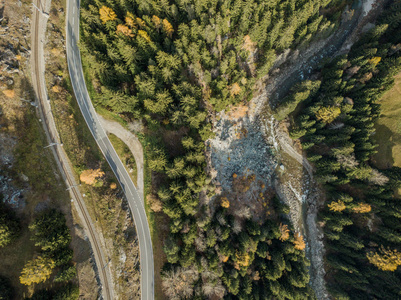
x,y
133,144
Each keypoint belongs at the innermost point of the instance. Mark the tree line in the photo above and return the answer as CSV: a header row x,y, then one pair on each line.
x,y
53,260
51,234
9,224
361,218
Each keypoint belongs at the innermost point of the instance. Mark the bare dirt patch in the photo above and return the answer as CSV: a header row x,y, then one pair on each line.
x,y
242,164
237,112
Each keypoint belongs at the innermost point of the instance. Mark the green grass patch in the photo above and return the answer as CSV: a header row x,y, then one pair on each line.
x,y
77,140
110,115
126,157
32,159
388,128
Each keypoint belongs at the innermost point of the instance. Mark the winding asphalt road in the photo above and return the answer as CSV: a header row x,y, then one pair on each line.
x,y
134,200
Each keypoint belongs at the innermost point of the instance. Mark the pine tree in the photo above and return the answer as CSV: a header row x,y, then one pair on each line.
x,y
9,226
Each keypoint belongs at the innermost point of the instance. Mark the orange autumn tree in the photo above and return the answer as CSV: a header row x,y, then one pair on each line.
x,y
225,203
9,93
235,89
125,30
285,232
224,258
91,176
107,14
299,242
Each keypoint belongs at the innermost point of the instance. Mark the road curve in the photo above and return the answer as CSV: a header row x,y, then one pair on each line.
x,y
134,200
39,20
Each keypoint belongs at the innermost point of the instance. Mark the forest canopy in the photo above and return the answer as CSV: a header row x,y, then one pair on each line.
x,y
145,52
173,63
336,126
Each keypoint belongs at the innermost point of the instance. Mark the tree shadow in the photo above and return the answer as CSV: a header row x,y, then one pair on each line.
x,y
386,140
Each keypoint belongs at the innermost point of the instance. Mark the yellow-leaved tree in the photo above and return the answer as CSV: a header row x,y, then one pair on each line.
x,y
107,14
385,259
140,22
328,114
130,20
225,202
362,208
156,20
337,206
37,270
242,259
144,35
375,60
168,28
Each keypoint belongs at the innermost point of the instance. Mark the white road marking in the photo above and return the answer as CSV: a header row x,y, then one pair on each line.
x,y
102,140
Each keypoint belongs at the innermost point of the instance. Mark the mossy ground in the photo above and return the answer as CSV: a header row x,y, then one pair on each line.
x,y
388,128
126,157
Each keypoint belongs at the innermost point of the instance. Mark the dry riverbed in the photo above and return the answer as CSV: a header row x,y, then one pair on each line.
x,y
250,143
